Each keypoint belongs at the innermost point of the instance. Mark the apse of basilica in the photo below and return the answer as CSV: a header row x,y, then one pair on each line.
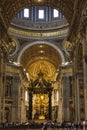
x,y
43,60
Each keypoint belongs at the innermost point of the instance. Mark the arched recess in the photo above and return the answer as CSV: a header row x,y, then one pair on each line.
x,y
48,61
41,42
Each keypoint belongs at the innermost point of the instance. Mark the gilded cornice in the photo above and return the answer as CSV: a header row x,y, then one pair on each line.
x,y
67,69
25,33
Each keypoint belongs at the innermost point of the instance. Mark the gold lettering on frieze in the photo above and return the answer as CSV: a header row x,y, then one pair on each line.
x,y
36,34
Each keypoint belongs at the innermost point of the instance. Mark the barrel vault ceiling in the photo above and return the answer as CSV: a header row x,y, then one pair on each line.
x,y
41,57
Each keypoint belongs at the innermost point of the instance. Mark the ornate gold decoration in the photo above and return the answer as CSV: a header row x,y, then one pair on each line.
x,y
47,62
39,34
40,105
68,45
45,67
12,47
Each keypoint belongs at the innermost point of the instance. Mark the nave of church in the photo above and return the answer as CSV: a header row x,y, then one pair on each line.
x,y
43,61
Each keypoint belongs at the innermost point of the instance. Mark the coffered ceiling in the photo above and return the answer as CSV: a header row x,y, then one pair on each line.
x,y
41,57
42,52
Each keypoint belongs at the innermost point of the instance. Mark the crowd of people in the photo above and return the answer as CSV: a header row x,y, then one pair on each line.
x,y
45,125
65,124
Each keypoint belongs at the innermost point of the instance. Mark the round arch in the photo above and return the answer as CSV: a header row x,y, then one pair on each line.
x,y
41,42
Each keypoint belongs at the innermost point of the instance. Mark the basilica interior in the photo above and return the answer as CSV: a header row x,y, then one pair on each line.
x,y
43,60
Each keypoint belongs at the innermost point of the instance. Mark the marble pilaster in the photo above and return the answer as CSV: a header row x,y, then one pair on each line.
x,y
16,106
84,42
66,97
2,84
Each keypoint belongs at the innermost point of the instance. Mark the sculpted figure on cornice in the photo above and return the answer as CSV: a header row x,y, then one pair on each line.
x,y
12,47
70,46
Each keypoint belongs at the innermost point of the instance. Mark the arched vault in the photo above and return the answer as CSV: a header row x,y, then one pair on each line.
x,y
9,8
41,56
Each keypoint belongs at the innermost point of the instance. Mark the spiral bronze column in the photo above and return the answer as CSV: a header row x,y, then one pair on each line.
x,y
50,105
30,104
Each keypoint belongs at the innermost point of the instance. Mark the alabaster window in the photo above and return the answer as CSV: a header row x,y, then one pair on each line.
x,y
55,13
40,14
26,13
